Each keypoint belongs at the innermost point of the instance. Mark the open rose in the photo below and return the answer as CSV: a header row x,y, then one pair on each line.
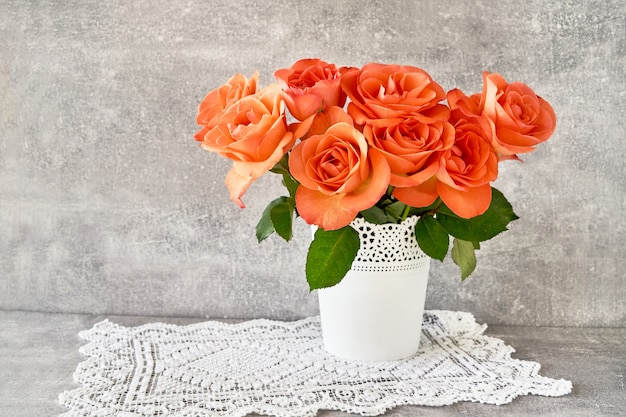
x,y
219,99
310,86
253,133
522,119
470,166
412,149
384,95
464,173
339,176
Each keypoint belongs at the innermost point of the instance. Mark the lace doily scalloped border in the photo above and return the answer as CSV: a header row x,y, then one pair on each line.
x,y
280,369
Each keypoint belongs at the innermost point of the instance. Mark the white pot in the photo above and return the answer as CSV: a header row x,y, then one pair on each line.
x,y
375,312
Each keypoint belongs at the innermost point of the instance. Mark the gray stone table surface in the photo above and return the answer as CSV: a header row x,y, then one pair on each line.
x,y
39,353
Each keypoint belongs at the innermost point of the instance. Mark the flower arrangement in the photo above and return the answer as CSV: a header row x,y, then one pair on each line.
x,y
382,142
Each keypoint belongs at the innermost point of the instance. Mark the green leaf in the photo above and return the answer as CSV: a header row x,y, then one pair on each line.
x,y
432,238
464,256
395,209
281,215
282,167
291,184
330,256
389,213
376,215
264,227
274,219
480,228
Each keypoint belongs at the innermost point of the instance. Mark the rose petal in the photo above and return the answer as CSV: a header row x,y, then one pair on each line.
x,y
323,210
373,187
422,195
237,185
470,203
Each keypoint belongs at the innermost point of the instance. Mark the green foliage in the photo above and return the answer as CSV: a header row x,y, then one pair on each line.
x,y
432,238
281,215
291,184
388,211
330,256
277,217
282,167
331,253
478,229
377,215
464,256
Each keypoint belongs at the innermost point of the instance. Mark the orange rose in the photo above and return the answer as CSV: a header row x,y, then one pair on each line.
x,y
470,165
219,99
253,133
310,86
464,173
468,106
412,149
339,176
384,95
522,119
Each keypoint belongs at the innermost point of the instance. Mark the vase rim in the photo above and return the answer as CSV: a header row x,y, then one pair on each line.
x,y
409,221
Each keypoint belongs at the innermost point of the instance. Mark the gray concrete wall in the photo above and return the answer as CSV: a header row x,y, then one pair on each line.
x,y
109,206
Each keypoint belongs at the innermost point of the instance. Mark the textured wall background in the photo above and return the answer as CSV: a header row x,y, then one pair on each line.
x,y
108,205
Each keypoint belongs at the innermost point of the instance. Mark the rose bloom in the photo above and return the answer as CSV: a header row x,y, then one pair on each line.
x,y
339,176
310,86
522,119
413,149
470,165
467,106
464,173
384,95
219,99
253,133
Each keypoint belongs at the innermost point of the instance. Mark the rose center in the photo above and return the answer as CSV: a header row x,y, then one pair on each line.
x,y
334,164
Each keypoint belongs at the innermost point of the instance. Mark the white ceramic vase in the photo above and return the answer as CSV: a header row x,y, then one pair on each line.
x,y
375,312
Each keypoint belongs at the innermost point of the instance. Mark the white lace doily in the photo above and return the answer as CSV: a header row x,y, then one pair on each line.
x,y
280,368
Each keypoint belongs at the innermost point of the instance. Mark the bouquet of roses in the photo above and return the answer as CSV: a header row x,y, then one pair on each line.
x,y
383,142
